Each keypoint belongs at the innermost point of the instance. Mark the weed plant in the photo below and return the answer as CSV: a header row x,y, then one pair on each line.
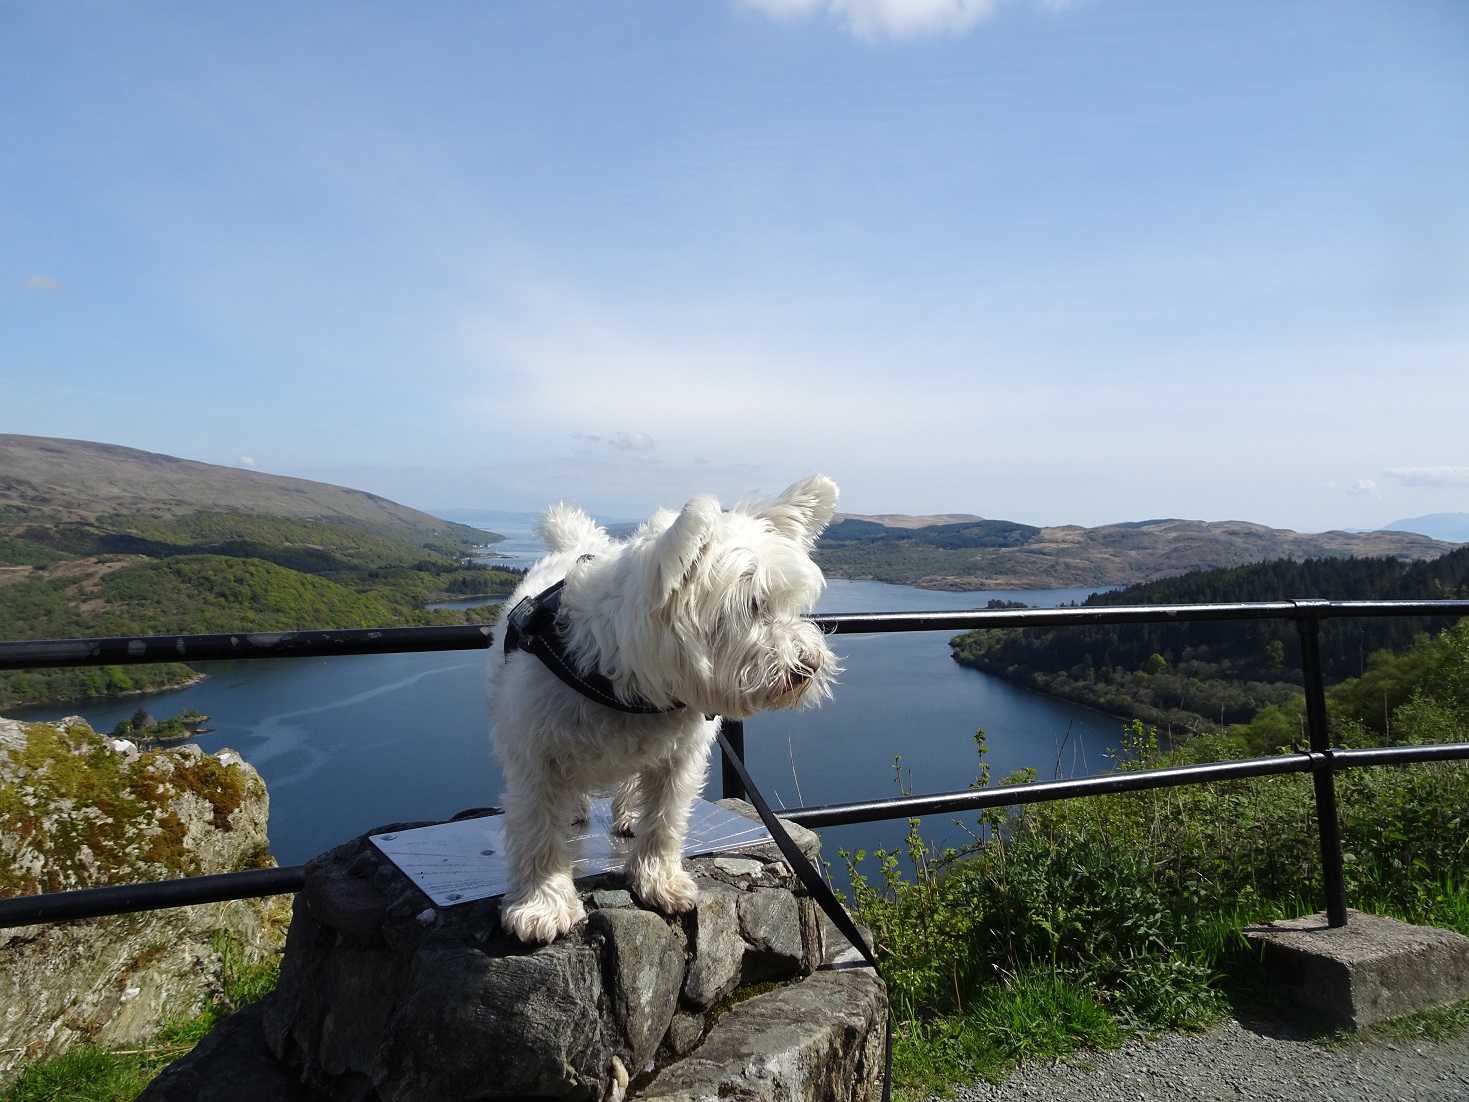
x,y
1075,924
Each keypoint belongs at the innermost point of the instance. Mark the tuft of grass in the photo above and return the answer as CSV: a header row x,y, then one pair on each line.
x,y
1444,1023
88,1074
1035,1015
92,1073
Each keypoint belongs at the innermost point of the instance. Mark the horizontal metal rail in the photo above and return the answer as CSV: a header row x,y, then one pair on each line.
x,y
134,650
1321,761
1083,616
27,910
96,902
1132,780
137,649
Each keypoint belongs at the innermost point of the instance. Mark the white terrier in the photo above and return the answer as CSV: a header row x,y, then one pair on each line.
x,y
697,615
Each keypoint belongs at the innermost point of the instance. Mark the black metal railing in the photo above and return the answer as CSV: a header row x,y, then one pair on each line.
x,y
1322,761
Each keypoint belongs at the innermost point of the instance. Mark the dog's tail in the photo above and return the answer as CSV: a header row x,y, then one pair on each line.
x,y
566,527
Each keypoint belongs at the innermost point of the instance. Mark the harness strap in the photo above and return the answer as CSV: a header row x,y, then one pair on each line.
x,y
531,627
820,891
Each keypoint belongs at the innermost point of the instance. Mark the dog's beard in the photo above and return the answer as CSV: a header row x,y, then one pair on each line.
x,y
796,673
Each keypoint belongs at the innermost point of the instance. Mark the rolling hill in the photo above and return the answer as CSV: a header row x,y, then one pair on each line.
x,y
991,554
101,540
77,481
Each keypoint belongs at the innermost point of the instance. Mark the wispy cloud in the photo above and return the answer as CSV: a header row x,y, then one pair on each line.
x,y
1433,477
632,442
46,285
1363,486
245,461
893,19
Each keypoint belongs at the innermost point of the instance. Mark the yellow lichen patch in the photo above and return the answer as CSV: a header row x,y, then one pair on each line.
x,y
74,813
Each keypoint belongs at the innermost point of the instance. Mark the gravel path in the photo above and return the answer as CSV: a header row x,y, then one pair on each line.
x,y
1260,1063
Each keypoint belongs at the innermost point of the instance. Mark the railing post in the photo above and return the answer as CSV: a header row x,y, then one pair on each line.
x,y
1323,767
734,731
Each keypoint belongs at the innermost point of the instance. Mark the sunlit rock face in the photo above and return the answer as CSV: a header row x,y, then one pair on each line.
x,y
81,810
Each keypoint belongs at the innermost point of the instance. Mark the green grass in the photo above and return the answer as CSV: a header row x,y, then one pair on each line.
x,y
1035,1015
92,1073
1074,925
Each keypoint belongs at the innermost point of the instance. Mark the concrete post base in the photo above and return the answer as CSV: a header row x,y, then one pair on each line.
x,y
1369,970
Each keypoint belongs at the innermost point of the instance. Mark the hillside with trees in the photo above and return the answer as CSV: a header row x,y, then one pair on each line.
x,y
1205,677
973,553
97,540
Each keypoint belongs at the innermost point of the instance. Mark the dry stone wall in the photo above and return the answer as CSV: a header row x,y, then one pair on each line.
x,y
386,998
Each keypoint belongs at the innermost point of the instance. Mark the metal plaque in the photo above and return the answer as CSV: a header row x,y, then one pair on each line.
x,y
460,862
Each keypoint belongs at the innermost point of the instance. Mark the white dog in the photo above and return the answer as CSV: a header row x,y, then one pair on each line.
x,y
697,615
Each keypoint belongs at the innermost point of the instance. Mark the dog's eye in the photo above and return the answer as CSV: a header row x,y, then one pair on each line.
x,y
754,606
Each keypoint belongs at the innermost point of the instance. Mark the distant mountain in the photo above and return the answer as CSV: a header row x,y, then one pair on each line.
x,y
1453,527
69,481
992,554
903,520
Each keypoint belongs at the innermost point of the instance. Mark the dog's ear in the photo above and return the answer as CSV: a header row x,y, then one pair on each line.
x,y
678,546
804,509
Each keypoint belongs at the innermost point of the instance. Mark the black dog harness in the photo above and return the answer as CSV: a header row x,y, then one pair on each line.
x,y
531,627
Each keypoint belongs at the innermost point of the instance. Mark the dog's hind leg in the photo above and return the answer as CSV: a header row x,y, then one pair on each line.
x,y
541,902
655,866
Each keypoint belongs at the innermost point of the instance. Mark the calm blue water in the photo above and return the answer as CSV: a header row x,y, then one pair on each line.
x,y
346,744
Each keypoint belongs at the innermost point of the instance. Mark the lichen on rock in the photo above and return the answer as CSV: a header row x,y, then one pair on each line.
x,y
81,810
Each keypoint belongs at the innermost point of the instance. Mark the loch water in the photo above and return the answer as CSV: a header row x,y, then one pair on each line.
x,y
346,744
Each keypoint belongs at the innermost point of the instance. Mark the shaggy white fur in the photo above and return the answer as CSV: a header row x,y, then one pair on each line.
x,y
700,608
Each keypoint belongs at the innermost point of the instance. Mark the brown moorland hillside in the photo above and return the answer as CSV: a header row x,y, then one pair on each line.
x,y
967,555
79,481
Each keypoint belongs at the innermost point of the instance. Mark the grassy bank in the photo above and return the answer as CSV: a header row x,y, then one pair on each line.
x,y
91,1073
1076,924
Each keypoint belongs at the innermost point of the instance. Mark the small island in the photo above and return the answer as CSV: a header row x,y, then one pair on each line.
x,y
149,733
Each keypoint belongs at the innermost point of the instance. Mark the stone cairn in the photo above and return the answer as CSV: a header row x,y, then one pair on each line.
x,y
384,997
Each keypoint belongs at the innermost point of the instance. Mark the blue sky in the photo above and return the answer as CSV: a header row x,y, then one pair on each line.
x,y
1053,262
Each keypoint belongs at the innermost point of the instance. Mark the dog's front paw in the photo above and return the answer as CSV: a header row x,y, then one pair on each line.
x,y
543,915
665,887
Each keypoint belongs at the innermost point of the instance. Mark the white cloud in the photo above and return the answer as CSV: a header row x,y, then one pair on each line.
x,y
632,442
898,19
245,461
1363,486
44,284
1434,477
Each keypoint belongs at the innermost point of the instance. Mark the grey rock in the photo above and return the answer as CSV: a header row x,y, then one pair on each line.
x,y
232,1064
474,1026
453,1010
684,1032
740,866
770,922
115,981
719,950
343,902
820,1040
644,971
1372,969
611,897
